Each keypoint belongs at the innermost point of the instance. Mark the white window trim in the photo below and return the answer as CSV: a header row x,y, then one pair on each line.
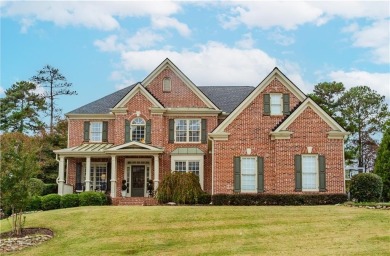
x,y
93,175
190,158
188,131
129,162
90,132
317,173
256,174
280,103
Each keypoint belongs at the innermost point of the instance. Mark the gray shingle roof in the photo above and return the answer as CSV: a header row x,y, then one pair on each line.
x,y
103,105
227,98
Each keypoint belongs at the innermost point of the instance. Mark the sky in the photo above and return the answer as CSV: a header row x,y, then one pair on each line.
x,y
103,46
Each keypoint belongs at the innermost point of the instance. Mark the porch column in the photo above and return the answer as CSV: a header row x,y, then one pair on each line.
x,y
61,175
113,176
156,171
88,174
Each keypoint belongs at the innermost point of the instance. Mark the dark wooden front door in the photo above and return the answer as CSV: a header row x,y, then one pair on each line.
x,y
138,181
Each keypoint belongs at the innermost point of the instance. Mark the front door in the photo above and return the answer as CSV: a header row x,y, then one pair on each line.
x,y
138,180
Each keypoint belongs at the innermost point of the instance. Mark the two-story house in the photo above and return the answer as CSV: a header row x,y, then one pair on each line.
x,y
266,139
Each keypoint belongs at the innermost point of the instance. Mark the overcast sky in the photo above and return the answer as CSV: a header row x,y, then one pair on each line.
x,y
102,46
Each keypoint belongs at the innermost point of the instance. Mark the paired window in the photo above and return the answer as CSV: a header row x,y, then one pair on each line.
x,y
248,174
310,173
95,131
187,130
138,129
188,163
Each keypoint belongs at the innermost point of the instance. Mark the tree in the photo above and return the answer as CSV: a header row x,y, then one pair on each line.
x,y
382,162
56,84
364,112
18,165
21,107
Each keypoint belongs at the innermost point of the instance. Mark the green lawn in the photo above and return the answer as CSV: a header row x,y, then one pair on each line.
x,y
205,230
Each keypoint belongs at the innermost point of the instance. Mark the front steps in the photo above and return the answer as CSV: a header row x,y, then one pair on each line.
x,y
145,201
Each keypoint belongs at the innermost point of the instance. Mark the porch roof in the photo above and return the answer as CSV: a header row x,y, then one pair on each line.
x,y
187,151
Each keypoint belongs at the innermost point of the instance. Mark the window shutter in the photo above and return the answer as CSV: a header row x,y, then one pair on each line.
x,y
86,131
79,183
105,131
298,172
148,132
286,104
237,174
127,131
171,135
260,174
267,104
204,131
108,179
322,173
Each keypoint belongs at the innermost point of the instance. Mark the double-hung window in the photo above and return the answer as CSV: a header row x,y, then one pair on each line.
x,y
276,104
309,172
248,174
138,129
96,131
188,163
187,130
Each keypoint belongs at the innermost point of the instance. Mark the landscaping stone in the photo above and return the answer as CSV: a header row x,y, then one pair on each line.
x,y
35,237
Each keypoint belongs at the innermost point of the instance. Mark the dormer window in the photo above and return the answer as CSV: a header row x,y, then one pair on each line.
x,y
138,129
167,84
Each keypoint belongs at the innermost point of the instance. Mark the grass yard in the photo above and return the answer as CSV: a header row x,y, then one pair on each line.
x,y
205,230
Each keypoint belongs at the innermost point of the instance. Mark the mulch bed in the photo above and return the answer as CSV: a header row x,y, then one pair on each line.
x,y
29,237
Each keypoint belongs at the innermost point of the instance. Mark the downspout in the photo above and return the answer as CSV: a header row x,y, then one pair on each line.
x,y
212,166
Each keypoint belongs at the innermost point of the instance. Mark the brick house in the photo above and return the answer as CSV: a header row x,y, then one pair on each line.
x,y
266,139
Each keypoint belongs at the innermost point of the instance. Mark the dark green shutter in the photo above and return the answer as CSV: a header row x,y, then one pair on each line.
x,y
267,104
105,131
171,132
86,131
260,174
127,131
286,104
79,183
322,173
148,132
237,174
204,131
298,172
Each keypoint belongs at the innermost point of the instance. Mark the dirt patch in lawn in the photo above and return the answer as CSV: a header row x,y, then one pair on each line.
x,y
29,237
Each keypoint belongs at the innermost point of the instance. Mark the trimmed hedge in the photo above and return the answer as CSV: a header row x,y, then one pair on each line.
x,y
366,187
50,189
69,200
34,204
204,198
51,202
278,199
91,198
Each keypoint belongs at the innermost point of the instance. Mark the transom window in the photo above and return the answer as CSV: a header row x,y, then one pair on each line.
x,y
276,103
138,129
309,172
187,130
248,174
96,130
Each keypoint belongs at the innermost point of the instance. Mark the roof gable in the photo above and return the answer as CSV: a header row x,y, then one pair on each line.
x,y
168,64
138,88
276,73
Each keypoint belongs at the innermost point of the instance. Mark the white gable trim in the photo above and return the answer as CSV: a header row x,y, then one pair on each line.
x,y
306,104
168,64
134,143
256,92
137,88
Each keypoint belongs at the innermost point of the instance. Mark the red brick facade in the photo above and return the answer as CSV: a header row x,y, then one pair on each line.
x,y
249,134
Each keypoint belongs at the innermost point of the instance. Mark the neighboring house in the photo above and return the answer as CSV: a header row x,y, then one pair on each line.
x,y
237,139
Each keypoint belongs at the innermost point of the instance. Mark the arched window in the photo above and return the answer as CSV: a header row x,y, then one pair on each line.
x,y
167,85
138,129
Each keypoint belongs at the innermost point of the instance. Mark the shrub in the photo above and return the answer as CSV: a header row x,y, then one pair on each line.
x,y
278,199
366,187
90,198
51,202
34,204
204,198
35,187
69,200
181,188
50,189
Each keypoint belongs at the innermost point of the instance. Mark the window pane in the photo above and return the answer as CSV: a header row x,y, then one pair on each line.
x,y
96,131
248,174
138,129
276,104
181,130
193,166
194,130
180,166
309,172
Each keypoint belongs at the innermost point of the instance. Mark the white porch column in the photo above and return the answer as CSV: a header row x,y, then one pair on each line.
x,y
61,175
88,174
156,172
113,176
